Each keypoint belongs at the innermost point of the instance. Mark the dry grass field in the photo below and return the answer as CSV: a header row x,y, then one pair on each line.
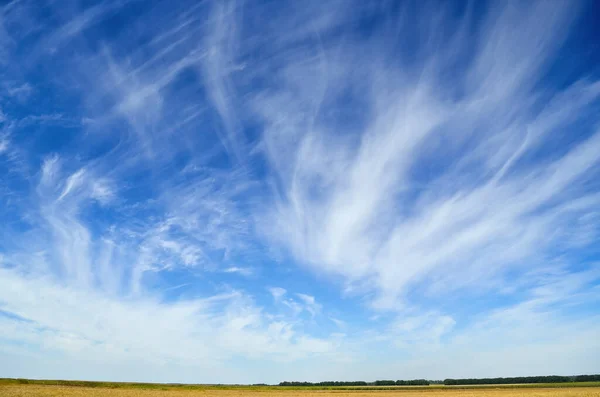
x,y
32,390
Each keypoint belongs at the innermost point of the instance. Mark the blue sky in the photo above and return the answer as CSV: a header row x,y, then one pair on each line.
x,y
259,191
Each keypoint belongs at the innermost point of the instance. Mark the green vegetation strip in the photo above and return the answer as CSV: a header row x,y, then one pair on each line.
x,y
266,388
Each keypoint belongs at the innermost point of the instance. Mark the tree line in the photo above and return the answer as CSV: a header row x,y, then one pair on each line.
x,y
522,379
451,382
415,382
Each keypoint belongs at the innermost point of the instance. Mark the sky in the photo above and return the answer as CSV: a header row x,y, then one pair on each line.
x,y
259,191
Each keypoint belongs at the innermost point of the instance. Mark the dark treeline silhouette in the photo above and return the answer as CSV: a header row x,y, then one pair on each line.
x,y
586,378
522,379
451,382
327,383
415,382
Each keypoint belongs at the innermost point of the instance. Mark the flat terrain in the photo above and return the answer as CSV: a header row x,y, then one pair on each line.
x,y
35,390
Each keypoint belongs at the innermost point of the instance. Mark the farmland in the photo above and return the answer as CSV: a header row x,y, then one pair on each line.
x,y
13,388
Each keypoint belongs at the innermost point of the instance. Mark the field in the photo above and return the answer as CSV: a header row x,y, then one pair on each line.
x,y
12,388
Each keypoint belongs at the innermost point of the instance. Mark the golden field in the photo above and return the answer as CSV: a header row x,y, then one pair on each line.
x,y
32,390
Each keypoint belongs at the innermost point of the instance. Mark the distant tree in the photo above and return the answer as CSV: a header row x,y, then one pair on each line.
x,y
511,380
385,383
586,378
451,382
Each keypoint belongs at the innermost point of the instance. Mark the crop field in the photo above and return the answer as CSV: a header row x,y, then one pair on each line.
x,y
75,389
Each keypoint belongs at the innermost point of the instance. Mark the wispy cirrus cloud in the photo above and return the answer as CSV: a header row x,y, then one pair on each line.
x,y
436,186
244,271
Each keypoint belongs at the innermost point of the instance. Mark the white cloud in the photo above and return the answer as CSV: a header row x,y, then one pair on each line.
x,y
76,321
244,271
433,187
217,66
310,304
304,303
339,323
21,91
277,292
